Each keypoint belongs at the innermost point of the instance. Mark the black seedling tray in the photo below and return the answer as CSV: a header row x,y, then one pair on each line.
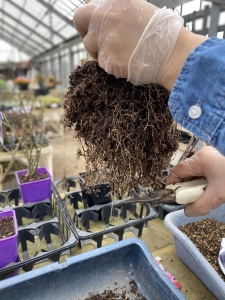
x,y
165,209
95,223
37,224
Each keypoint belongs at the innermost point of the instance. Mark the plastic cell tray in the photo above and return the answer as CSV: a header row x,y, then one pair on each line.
x,y
190,255
165,209
44,232
95,223
107,268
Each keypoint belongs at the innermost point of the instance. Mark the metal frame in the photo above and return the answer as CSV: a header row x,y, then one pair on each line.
x,y
25,26
36,19
21,41
56,12
5,23
15,44
204,14
48,8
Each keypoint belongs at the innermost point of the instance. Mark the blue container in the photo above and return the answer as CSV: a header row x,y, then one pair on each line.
x,y
109,267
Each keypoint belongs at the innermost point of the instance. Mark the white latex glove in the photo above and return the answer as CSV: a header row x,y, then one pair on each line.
x,y
208,162
130,39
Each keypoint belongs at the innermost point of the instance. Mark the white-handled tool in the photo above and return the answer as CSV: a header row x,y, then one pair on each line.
x,y
189,191
181,193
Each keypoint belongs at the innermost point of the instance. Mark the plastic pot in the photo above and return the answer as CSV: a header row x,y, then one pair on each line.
x,y
8,246
35,191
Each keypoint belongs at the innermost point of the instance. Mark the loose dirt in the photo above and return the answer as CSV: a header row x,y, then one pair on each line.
x,y
206,235
131,293
6,227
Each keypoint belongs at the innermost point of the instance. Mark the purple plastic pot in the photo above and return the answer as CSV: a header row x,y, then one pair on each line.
x,y
8,246
35,191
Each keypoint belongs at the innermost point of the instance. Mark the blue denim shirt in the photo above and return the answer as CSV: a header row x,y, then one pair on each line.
x,y
202,83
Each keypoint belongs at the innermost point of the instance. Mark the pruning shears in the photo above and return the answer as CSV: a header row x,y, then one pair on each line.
x,y
181,193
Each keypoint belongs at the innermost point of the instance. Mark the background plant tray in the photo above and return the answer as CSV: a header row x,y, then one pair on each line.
x,y
37,224
95,223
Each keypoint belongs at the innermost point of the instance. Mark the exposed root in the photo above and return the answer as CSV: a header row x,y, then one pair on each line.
x,y
127,132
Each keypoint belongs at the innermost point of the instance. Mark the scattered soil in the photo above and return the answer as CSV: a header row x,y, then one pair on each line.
x,y
35,177
127,133
6,227
206,235
133,293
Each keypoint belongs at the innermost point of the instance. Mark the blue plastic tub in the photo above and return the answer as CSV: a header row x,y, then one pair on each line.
x,y
190,255
109,267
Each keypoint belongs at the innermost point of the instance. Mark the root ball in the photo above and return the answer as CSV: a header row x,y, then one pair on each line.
x,y
126,132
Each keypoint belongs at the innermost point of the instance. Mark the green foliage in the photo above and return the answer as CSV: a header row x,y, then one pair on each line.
x,y
47,100
3,86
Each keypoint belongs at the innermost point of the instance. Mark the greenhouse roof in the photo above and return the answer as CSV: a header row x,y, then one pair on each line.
x,y
34,26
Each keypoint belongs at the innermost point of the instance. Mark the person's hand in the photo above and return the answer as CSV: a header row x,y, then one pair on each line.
x,y
136,40
208,162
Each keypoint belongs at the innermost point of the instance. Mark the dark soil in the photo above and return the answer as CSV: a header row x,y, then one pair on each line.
x,y
35,177
206,235
133,293
127,132
6,227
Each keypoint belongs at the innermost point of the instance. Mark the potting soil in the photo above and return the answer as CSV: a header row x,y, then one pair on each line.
x,y
130,294
6,227
206,235
35,177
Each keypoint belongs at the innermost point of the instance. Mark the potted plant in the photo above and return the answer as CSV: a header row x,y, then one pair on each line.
x,y
8,238
22,82
35,182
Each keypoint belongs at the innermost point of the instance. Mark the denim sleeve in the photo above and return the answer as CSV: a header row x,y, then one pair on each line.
x,y
202,83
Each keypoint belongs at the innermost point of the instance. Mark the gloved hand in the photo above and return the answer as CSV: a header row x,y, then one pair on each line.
x,y
130,39
208,162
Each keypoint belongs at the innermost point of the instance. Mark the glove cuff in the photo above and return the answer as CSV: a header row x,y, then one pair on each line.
x,y
154,48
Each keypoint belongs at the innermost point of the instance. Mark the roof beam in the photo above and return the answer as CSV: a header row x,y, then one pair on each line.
x,y
25,36
15,44
21,41
25,26
67,44
36,19
56,12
